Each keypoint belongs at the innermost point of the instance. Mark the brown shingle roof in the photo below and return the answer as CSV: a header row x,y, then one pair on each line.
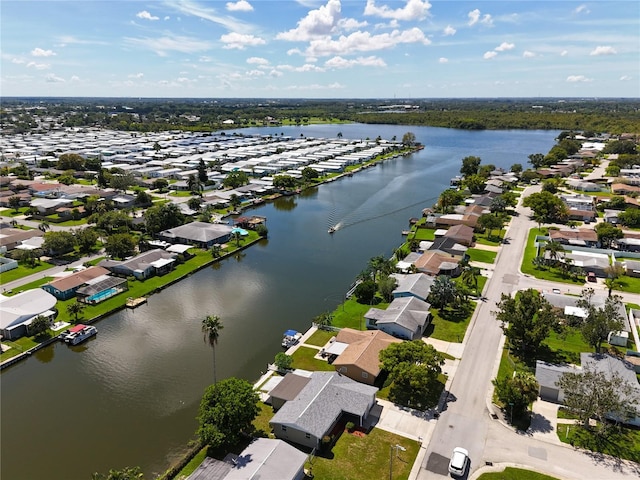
x,y
79,278
586,234
364,349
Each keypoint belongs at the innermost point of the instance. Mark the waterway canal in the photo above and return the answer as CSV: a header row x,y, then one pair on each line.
x,y
130,396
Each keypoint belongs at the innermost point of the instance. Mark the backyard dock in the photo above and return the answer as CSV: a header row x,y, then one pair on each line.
x,y
136,302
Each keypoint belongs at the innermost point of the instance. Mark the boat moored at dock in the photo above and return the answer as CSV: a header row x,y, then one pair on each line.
x,y
78,334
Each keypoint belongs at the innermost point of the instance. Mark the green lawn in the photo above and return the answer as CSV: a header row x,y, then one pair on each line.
x,y
303,359
364,458
493,240
193,464
261,422
30,285
624,443
351,314
511,473
22,271
321,337
629,284
449,325
544,273
563,348
10,212
484,256
424,234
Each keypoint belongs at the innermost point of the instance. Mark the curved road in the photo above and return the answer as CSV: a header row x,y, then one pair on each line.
x,y
466,419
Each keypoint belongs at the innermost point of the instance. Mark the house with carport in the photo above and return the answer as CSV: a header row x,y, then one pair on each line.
x,y
405,318
308,408
17,312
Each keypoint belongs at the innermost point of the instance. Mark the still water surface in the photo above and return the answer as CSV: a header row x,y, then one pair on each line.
x,y
130,396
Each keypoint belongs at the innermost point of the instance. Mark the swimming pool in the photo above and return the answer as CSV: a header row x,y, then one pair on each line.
x,y
100,296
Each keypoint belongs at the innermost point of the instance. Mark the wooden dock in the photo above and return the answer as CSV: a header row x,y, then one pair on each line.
x,y
136,302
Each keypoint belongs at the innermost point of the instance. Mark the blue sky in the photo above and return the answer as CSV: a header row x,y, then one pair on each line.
x,y
320,48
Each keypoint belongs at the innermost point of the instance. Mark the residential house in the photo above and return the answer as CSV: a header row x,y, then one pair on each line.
x,y
360,360
202,234
448,245
583,186
548,376
461,234
416,285
624,189
324,400
64,288
611,216
405,317
581,207
596,263
101,288
632,267
142,266
13,237
263,458
584,237
123,201
436,262
17,312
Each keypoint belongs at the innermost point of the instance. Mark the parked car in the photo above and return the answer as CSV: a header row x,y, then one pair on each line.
x,y
458,462
591,277
556,290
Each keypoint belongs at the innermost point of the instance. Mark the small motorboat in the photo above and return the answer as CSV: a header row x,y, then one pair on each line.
x,y
332,230
290,338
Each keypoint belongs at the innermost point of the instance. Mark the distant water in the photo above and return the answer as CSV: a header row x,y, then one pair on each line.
x,y
130,396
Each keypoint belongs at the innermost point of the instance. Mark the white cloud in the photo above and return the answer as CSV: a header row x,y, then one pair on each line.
x,y
449,31
52,78
257,61
256,73
625,78
443,60
318,23
275,73
564,53
475,17
490,54
74,78
38,66
603,50
39,52
17,60
582,9
348,24
365,42
528,54
146,16
413,10
135,75
165,44
504,46
339,62
167,17
240,41
192,8
239,6
578,79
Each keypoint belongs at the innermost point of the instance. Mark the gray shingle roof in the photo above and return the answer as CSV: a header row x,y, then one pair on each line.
x,y
198,231
408,312
325,397
267,458
416,284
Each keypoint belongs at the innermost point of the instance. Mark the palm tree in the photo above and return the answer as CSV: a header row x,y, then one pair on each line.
x,y
236,236
554,248
470,277
211,326
75,309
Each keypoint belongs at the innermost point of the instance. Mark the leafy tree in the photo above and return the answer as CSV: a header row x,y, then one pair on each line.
x,y
211,326
227,411
529,175
194,185
607,233
93,163
58,243
66,179
39,326
162,217
517,391
386,286
122,181
409,139
516,168
490,222
498,205
510,198
128,473
613,272
485,170
202,171
283,361
216,250
143,199
379,264
599,321
413,368
309,174
526,320
284,182
160,184
235,179
194,203
27,257
595,394
86,239
550,186
630,217
443,292
365,291
113,221
536,160
235,201
75,309
120,245
475,183
262,230
70,161
470,165
620,147
547,206
448,198
14,202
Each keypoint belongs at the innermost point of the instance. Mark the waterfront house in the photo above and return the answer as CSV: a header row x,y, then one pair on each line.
x,y
313,406
448,245
416,285
64,288
202,234
436,262
17,312
548,375
101,288
462,234
360,360
263,458
405,317
142,266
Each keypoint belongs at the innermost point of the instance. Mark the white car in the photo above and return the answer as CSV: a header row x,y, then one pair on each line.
x,y
458,462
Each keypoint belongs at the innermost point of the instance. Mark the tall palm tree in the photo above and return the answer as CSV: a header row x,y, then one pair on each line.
x,y
554,248
211,326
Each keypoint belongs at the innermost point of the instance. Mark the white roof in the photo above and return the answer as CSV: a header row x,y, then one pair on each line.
x,y
24,306
178,248
336,348
575,311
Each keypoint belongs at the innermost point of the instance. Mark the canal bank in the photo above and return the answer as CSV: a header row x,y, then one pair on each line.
x,y
135,390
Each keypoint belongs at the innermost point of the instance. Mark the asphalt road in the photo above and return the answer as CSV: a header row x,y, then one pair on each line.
x,y
466,420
